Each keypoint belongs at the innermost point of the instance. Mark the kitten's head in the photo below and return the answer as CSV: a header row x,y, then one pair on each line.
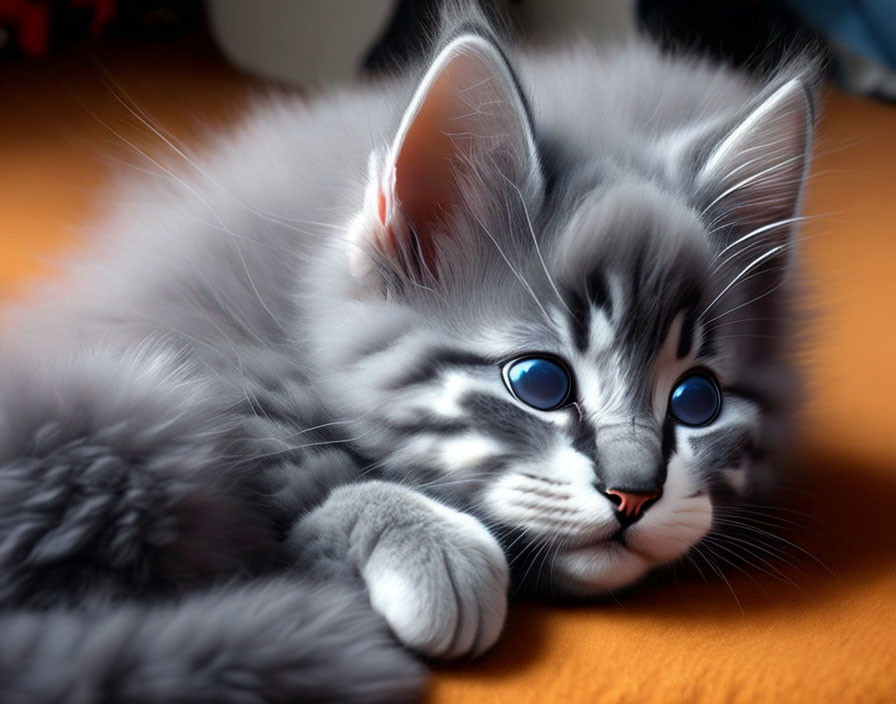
x,y
583,349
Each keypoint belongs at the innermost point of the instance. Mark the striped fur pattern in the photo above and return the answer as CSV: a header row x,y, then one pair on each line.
x,y
654,237
265,424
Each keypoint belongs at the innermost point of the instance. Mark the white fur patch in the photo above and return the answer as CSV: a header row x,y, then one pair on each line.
x,y
458,455
601,331
597,569
604,390
464,453
676,522
444,399
443,592
553,498
447,400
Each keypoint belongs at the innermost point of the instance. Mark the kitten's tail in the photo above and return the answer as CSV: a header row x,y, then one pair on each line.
x,y
276,641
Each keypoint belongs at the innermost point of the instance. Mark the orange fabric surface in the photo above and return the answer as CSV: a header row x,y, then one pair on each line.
x,y
800,632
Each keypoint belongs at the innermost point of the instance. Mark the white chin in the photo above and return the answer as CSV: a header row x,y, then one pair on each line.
x,y
667,533
598,569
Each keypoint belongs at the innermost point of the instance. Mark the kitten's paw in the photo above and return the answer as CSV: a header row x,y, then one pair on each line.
x,y
441,583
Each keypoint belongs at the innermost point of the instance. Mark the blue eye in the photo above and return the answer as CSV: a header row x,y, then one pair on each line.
x,y
541,382
696,399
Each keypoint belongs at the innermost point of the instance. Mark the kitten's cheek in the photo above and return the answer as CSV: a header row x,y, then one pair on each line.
x,y
598,569
666,533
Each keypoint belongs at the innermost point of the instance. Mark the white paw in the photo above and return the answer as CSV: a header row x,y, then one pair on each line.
x,y
440,583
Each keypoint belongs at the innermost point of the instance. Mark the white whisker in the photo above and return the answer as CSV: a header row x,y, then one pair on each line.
x,y
753,264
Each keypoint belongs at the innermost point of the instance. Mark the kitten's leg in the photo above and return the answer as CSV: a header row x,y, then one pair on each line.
x,y
271,641
115,478
118,481
437,575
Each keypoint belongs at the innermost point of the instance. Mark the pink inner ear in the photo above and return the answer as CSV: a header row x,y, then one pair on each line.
x,y
424,180
381,207
423,189
465,112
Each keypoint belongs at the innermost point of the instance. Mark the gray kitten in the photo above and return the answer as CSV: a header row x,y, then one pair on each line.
x,y
371,352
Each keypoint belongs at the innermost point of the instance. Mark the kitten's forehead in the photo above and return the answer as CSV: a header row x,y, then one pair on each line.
x,y
629,262
615,225
630,247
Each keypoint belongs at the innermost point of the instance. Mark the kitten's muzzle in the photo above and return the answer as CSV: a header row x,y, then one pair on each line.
x,y
631,469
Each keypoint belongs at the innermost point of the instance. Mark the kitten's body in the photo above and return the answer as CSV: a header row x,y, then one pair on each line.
x,y
179,410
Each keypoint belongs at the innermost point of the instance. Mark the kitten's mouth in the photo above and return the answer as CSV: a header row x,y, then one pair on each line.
x,y
617,538
612,543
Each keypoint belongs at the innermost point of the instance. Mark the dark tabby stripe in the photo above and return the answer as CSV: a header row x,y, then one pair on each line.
x,y
502,419
596,293
584,439
436,361
686,339
380,344
579,319
668,445
435,426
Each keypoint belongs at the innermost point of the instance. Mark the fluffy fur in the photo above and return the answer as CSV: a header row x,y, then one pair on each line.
x,y
277,382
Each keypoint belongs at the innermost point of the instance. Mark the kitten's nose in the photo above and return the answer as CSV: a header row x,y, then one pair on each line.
x,y
630,505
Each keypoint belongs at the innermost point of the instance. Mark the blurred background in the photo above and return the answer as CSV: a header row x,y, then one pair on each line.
x,y
93,91
308,42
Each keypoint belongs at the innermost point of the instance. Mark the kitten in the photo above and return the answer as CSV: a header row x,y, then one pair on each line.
x,y
371,352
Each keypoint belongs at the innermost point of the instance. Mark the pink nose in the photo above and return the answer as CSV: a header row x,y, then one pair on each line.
x,y
629,503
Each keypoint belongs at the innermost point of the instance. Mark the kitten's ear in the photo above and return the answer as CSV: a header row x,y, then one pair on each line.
x,y
752,175
467,124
